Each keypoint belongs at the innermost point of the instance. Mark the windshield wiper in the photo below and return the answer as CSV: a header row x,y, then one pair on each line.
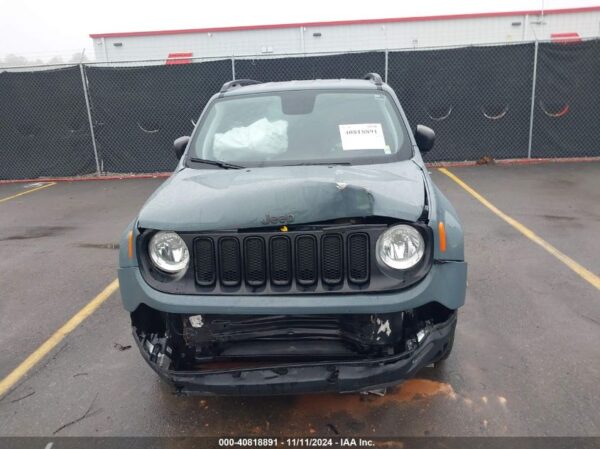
x,y
217,163
318,163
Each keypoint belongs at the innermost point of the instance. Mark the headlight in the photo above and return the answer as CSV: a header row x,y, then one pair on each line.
x,y
169,252
400,247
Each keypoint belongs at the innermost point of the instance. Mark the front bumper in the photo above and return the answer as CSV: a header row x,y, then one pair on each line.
x,y
312,377
445,284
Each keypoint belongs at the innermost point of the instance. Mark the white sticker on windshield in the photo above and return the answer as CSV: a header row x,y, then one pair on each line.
x,y
363,136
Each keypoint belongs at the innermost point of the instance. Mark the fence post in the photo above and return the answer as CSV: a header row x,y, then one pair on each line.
x,y
385,74
531,112
233,67
89,114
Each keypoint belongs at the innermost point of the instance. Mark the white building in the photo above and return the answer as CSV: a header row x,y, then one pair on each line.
x,y
349,35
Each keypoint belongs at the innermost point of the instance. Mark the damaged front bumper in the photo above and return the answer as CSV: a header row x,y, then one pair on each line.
x,y
396,359
319,357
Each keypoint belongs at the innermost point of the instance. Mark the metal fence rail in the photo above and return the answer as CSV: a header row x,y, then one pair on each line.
x,y
536,99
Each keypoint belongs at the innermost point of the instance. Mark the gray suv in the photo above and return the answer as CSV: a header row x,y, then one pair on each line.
x,y
299,246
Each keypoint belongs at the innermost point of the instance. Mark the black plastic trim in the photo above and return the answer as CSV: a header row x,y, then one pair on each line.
x,y
275,278
263,251
315,261
210,282
351,278
236,267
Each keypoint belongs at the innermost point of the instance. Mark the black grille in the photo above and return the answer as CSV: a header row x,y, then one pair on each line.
x,y
281,261
204,254
333,259
358,258
255,261
229,262
309,261
307,269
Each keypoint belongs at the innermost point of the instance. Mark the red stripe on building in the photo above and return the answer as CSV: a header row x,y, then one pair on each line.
x,y
565,38
179,58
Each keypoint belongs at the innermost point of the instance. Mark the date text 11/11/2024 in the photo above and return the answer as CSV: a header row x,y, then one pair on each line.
x,y
296,442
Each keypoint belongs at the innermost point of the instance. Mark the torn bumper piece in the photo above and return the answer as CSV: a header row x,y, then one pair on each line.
x,y
342,376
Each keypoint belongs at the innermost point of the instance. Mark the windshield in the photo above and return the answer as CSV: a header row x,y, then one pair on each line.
x,y
302,127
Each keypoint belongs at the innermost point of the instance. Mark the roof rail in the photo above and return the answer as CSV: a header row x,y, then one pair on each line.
x,y
238,83
374,78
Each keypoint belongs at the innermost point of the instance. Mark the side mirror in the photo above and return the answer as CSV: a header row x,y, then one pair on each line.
x,y
179,145
425,137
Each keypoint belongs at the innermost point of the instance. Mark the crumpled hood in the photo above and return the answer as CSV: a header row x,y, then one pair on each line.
x,y
205,200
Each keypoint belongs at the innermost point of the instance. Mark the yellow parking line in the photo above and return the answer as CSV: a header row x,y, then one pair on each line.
x,y
20,371
577,268
2,200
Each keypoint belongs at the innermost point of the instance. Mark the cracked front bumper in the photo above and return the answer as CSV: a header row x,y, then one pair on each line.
x,y
311,377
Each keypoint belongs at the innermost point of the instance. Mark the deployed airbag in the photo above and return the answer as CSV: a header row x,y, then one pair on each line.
x,y
262,136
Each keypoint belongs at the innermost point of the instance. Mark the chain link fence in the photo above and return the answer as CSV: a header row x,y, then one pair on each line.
x,y
477,99
44,126
567,100
498,101
138,111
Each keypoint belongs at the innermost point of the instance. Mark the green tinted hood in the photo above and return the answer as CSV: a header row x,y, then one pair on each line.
x,y
204,200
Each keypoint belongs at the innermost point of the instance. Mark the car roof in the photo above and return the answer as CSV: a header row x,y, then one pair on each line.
x,y
318,84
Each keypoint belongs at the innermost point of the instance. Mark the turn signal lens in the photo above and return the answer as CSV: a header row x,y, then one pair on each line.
x,y
130,245
442,234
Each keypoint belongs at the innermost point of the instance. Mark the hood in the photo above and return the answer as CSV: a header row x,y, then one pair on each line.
x,y
209,200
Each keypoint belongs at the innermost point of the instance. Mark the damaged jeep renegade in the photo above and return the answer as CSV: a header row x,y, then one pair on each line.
x,y
299,246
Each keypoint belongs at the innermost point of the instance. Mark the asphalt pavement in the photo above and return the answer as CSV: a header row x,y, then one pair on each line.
x,y
526,361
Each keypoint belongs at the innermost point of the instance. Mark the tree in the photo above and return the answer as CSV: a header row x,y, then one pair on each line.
x,y
78,58
56,60
14,60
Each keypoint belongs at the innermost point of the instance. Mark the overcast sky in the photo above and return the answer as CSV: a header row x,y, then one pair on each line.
x,y
43,28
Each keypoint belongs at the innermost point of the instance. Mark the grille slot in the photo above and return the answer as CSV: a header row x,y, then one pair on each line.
x,y
229,262
255,261
281,261
332,259
358,258
307,269
204,260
